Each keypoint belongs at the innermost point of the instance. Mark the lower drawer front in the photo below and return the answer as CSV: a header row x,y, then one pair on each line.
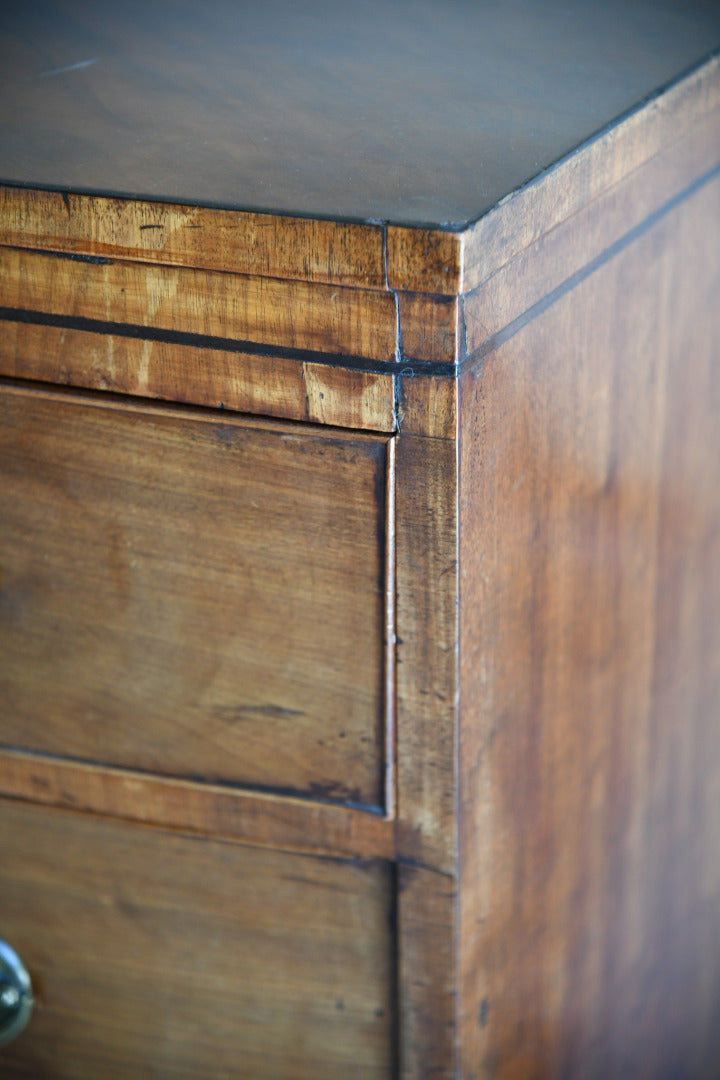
x,y
158,955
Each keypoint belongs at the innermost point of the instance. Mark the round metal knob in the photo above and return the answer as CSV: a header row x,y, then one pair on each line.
x,y
16,996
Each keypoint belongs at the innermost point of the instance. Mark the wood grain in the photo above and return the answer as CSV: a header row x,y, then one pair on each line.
x,y
427,406
595,168
426,260
156,955
426,651
427,969
193,595
433,261
386,747
252,817
590,675
591,233
277,386
427,643
334,110
430,328
293,315
268,245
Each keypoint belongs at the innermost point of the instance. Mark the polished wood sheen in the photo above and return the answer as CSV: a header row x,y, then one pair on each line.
x,y
590,675
360,538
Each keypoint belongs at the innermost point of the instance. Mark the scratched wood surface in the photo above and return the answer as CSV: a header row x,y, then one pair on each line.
x,y
193,595
291,349
590,675
271,245
154,954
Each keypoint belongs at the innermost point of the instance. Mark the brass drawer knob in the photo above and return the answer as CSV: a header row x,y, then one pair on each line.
x,y
16,996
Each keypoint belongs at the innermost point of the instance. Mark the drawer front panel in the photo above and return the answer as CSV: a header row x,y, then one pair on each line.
x,y
193,595
157,955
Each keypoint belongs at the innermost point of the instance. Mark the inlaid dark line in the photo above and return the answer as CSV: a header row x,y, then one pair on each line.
x,y
74,256
406,366
502,336
206,341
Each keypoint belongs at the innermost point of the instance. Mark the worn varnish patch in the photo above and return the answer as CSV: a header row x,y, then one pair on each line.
x,y
236,380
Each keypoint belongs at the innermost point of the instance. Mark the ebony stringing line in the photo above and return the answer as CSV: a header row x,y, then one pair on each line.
x,y
407,366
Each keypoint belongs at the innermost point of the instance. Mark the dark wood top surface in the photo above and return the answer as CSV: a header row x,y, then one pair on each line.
x,y
418,112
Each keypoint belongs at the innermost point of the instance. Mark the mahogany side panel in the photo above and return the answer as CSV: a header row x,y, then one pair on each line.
x,y
589,938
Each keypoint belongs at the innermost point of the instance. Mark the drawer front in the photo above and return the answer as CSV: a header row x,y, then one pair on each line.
x,y
192,594
157,955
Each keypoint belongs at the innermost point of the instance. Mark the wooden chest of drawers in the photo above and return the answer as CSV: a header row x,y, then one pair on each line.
x,y
360,540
